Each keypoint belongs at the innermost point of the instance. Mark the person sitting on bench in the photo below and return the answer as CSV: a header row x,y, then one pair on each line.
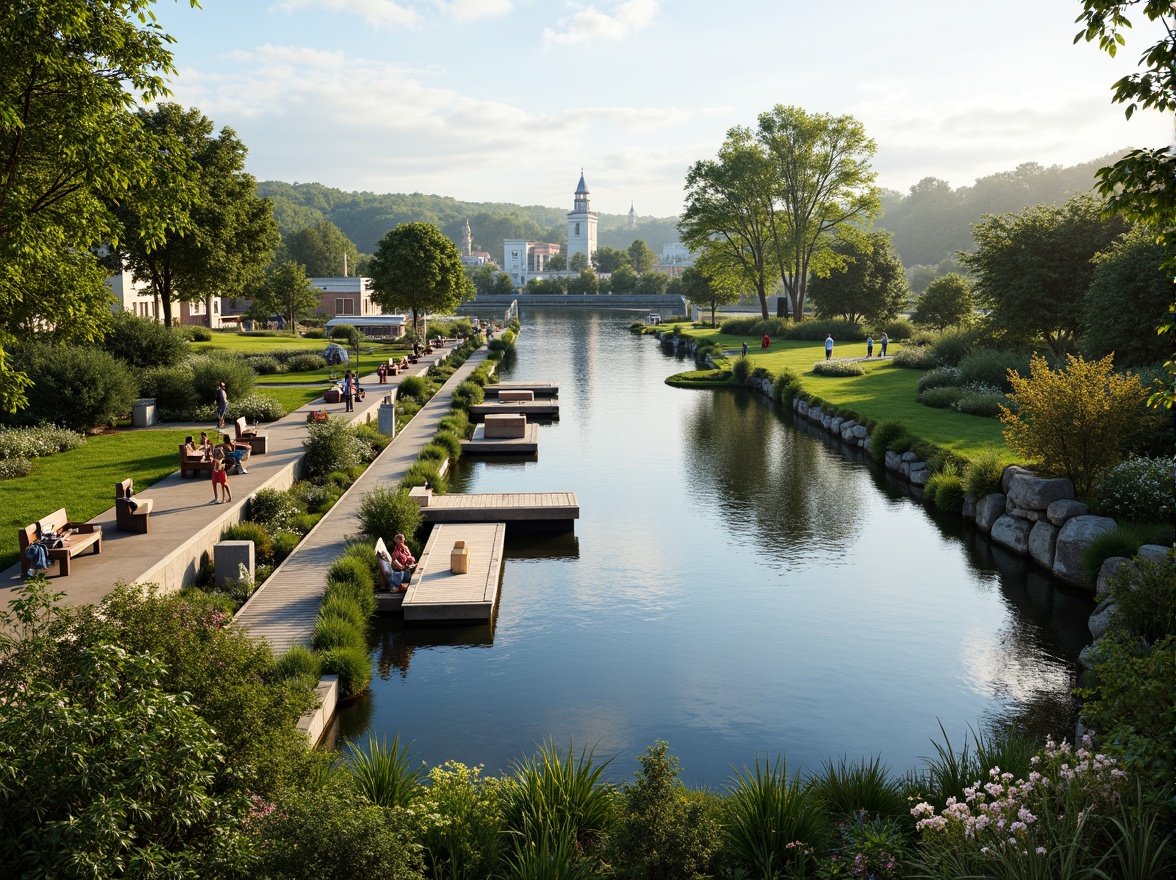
x,y
236,453
392,574
402,556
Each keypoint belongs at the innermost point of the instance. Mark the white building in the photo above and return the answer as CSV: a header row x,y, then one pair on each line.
x,y
581,224
676,254
138,298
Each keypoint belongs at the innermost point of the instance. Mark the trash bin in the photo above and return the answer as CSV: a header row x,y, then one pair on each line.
x,y
386,417
143,412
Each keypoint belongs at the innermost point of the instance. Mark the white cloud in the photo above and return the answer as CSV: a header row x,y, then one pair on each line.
x,y
589,23
469,10
381,13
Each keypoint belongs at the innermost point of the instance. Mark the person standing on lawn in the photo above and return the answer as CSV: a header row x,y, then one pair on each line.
x,y
829,346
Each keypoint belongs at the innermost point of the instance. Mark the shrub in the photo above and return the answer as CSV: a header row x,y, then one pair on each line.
x,y
214,367
305,522
1139,490
468,394
946,489
385,513
952,347
943,397
1075,421
786,386
284,544
314,333
469,842
353,667
331,633
457,422
264,365
308,496
988,404
305,363
940,377
73,386
257,408
332,446
840,330
898,330
1146,595
297,662
173,388
143,342
991,367
425,473
348,332
251,531
15,468
193,333
885,433
914,357
450,443
434,453
838,367
344,608
1123,540
273,508
740,370
350,570
414,387
767,813
39,441
982,474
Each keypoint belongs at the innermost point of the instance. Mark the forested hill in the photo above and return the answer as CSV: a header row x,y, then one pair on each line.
x,y
933,221
364,217
929,224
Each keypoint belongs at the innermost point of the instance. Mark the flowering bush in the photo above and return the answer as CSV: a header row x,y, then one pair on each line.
x,y
15,468
36,442
939,377
1032,823
1139,489
838,367
254,407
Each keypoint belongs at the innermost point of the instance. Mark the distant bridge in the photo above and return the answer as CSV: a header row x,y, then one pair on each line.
x,y
664,304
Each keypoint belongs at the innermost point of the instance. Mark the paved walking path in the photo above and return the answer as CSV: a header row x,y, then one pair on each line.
x,y
184,525
284,610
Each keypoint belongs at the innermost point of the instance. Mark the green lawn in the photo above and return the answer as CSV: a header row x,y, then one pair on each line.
x,y
884,392
82,480
292,398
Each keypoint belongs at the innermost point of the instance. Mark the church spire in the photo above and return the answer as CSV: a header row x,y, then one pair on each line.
x,y
632,217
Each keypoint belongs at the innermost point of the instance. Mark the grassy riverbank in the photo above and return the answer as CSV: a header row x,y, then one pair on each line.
x,y
884,392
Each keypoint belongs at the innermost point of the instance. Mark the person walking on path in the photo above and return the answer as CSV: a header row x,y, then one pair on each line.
x,y
745,348
222,405
885,342
829,346
348,392
869,346
382,372
220,476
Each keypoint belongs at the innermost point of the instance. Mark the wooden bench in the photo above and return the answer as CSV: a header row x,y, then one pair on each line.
x,y
334,395
84,536
258,443
193,465
130,517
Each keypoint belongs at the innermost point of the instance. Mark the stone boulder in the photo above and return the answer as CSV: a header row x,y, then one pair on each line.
x,y
910,456
868,444
1154,552
893,461
1100,621
835,425
826,421
1060,511
1109,571
1042,539
988,510
815,414
860,432
1010,471
1011,532
801,406
1074,537
921,474
969,509
1036,493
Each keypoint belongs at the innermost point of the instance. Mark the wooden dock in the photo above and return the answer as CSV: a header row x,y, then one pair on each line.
x,y
557,510
481,445
437,594
532,409
540,389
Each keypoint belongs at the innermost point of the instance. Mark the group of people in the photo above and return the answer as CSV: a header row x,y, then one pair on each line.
x,y
885,341
396,568
223,456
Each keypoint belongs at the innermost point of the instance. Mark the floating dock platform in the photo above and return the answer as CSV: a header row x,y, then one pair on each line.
x,y
483,445
539,389
437,594
543,510
532,409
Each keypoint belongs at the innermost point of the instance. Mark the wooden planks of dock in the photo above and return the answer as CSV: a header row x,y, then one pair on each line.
x,y
541,509
438,594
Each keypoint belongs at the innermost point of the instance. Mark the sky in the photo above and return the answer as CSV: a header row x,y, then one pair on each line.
x,y
506,100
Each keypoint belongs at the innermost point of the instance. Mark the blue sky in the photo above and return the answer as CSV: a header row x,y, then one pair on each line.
x,y
505,100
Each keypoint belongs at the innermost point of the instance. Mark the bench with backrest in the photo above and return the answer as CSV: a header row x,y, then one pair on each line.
x,y
193,465
76,538
131,514
258,443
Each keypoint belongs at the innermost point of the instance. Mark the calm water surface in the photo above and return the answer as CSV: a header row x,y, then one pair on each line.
x,y
736,585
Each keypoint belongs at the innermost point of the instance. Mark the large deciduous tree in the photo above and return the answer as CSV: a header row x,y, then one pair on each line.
x,y
641,258
727,212
946,302
823,189
286,291
1033,268
707,291
1129,296
323,249
229,235
416,268
871,286
607,259
70,72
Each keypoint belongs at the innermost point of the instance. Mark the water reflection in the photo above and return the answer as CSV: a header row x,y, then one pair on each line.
x,y
737,585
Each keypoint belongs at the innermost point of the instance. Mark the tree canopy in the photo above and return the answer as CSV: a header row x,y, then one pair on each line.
x,y
641,258
1033,268
286,291
709,292
871,286
322,249
946,302
417,269
608,259
1128,298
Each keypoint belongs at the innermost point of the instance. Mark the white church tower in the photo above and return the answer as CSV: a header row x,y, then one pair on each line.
x,y
581,224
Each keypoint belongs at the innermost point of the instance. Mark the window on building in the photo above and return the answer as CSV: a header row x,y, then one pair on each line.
x,y
344,306
577,229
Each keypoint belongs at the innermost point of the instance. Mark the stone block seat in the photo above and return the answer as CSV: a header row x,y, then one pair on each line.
x,y
75,538
505,426
516,396
258,443
131,514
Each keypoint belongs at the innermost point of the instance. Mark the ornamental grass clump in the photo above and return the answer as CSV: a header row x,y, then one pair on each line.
x,y
845,788
942,397
940,377
1057,821
884,435
772,823
838,367
1124,540
385,513
386,775
335,632
352,665
1139,490
982,474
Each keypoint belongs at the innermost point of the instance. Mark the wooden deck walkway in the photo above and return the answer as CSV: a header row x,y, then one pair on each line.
x,y
284,610
540,389
437,594
532,409
558,509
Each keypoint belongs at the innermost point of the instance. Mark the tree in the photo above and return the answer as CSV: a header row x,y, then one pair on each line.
x,y
483,278
822,190
652,284
608,259
946,302
578,262
585,282
641,258
229,235
1033,268
323,250
557,262
1076,421
872,285
285,291
1127,299
710,292
418,269
727,212
71,72
503,284
624,280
